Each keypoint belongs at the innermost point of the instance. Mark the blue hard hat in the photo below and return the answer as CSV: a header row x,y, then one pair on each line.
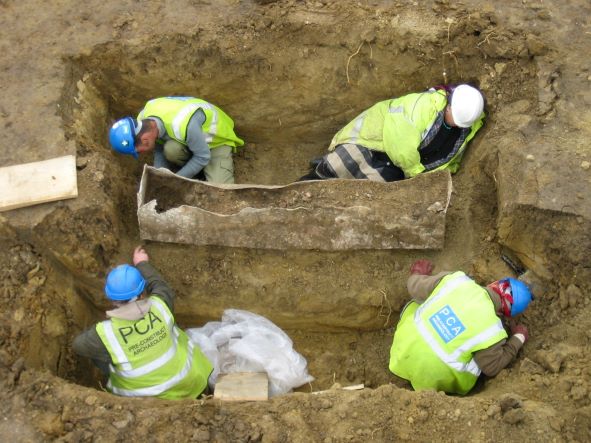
x,y
522,296
124,282
122,136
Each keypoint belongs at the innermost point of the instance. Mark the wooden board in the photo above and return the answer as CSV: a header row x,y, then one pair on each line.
x,y
39,182
242,386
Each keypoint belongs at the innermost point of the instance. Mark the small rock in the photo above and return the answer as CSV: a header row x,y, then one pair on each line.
x,y
551,360
124,422
509,401
120,424
578,392
530,367
514,416
90,400
493,410
585,165
81,163
50,423
435,207
563,300
18,366
201,435
530,158
423,415
500,67
556,423
535,45
325,404
565,385
573,294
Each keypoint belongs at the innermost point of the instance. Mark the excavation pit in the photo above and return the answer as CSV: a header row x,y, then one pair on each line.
x,y
291,74
287,112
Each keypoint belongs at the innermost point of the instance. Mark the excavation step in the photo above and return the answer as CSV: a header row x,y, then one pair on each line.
x,y
323,215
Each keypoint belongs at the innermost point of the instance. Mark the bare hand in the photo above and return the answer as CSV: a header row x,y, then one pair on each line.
x,y
139,255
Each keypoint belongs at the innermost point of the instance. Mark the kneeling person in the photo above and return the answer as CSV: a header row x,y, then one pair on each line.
x,y
403,137
452,331
140,348
186,134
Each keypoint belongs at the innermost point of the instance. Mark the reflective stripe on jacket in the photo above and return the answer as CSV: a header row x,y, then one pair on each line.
x,y
152,357
175,113
398,126
434,342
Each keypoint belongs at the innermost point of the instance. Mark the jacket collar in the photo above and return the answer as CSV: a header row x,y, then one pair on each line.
x,y
134,310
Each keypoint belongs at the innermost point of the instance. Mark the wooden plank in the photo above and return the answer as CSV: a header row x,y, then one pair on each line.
x,y
38,182
242,386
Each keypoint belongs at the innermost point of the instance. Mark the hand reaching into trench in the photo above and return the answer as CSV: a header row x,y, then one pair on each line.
x,y
139,255
422,267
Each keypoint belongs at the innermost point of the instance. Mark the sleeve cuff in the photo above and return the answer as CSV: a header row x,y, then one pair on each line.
x,y
520,337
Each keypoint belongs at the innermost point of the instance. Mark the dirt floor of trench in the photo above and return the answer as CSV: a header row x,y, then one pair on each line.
x,y
291,73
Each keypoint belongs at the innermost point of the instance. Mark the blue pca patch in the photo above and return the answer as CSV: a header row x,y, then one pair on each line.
x,y
447,324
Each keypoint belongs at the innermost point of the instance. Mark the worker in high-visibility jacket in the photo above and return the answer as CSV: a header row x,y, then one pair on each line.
x,y
139,347
186,134
406,136
451,331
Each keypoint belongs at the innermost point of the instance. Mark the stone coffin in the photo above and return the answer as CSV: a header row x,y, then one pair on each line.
x,y
323,215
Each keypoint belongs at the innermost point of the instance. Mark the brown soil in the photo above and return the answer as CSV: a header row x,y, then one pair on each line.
x,y
174,193
291,73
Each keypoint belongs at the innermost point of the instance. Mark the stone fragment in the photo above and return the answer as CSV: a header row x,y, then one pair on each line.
x,y
585,165
530,367
201,435
573,294
535,45
550,360
556,423
120,424
563,300
124,422
514,416
578,392
493,410
509,401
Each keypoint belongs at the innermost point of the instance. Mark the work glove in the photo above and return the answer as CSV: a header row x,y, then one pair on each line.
x,y
422,267
520,329
139,255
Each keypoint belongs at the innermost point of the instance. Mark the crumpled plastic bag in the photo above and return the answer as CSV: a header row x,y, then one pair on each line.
x,y
247,342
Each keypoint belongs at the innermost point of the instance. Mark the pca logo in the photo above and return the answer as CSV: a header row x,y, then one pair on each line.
x,y
447,324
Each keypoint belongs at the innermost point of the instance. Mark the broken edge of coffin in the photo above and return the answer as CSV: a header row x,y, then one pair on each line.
x,y
409,214
242,386
38,182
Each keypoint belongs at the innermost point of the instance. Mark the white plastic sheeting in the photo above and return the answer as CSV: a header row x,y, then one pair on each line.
x,y
247,342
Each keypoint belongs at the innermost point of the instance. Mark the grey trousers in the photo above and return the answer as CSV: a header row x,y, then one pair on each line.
x,y
220,168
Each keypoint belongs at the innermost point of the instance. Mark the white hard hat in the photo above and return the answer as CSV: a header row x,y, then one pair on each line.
x,y
467,104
